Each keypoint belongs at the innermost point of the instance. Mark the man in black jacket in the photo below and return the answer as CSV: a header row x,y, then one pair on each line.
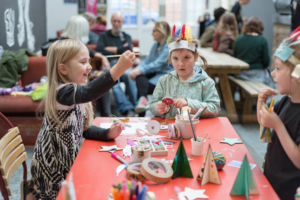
x,y
114,42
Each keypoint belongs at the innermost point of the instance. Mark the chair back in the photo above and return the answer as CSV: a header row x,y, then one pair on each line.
x,y
12,155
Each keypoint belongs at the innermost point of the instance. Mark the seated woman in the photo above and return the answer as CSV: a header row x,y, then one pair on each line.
x,y
100,25
225,34
252,48
153,67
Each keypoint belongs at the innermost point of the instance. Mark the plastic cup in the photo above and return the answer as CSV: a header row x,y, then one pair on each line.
x,y
198,147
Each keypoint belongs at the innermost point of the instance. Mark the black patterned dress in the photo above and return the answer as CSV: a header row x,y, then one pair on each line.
x,y
58,145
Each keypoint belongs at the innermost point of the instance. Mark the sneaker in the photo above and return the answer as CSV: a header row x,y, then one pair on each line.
x,y
142,105
130,113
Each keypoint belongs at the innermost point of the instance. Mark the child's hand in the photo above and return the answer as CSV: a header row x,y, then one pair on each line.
x,y
115,130
161,108
270,120
126,60
179,103
264,94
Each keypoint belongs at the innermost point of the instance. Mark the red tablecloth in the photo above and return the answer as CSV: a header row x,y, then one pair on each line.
x,y
94,172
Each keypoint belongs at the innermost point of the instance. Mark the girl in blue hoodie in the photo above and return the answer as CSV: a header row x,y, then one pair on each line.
x,y
188,85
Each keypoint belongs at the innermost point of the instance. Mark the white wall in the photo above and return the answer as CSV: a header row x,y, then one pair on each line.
x,y
57,15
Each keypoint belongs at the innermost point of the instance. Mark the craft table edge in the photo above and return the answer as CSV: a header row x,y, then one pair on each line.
x,y
92,182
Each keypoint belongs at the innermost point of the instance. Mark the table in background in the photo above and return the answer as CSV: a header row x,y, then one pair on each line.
x,y
220,65
94,172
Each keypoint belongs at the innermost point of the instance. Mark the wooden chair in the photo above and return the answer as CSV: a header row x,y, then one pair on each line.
x,y
12,155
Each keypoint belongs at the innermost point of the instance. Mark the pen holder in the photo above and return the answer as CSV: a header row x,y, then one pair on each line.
x,y
198,147
185,127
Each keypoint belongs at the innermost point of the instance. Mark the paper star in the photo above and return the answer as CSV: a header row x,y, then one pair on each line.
x,y
191,194
231,141
110,148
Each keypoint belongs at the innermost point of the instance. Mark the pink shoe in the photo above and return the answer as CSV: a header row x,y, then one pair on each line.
x,y
142,105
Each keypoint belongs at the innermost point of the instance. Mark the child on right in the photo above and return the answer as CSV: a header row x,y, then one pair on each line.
x,y
282,164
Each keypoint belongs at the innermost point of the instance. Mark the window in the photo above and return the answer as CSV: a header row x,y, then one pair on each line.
x,y
195,8
150,11
173,11
128,8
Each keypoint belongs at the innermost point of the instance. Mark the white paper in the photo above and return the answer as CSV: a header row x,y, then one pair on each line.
x,y
120,168
128,130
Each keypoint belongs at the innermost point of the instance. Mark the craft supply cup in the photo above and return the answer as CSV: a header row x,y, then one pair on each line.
x,y
198,147
139,155
185,127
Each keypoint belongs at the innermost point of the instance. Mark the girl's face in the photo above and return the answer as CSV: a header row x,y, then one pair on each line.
x,y
78,68
282,76
183,61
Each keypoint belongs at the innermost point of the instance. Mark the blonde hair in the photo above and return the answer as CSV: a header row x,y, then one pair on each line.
x,y
77,28
163,28
195,53
59,52
228,24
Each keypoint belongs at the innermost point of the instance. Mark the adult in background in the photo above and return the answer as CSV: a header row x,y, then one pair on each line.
x,y
295,8
153,67
202,23
100,25
93,37
236,10
207,36
252,48
114,42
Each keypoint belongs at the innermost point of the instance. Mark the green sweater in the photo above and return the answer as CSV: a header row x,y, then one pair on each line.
x,y
252,50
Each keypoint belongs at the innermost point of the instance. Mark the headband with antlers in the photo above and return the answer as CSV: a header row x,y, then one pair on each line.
x,y
185,41
285,52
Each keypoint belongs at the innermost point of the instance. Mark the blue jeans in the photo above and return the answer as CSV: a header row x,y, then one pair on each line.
x,y
123,103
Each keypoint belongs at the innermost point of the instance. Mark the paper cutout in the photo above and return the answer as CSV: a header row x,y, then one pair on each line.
x,y
235,163
127,151
120,168
244,183
208,171
231,141
110,148
68,189
181,165
191,194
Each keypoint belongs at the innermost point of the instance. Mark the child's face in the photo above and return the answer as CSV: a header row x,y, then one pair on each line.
x,y
78,67
282,76
183,61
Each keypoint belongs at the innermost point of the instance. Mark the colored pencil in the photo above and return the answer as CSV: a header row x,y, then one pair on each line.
x,y
113,56
192,125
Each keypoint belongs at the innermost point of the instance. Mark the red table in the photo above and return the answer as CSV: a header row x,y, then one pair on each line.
x,y
94,172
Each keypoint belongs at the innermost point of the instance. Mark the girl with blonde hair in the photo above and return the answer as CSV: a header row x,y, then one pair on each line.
x,y
68,115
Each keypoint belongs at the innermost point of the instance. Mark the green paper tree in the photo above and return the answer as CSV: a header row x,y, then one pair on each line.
x,y
181,165
244,183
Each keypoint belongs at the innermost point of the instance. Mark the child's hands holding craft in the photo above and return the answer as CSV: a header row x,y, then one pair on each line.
x,y
269,119
180,102
161,108
115,130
